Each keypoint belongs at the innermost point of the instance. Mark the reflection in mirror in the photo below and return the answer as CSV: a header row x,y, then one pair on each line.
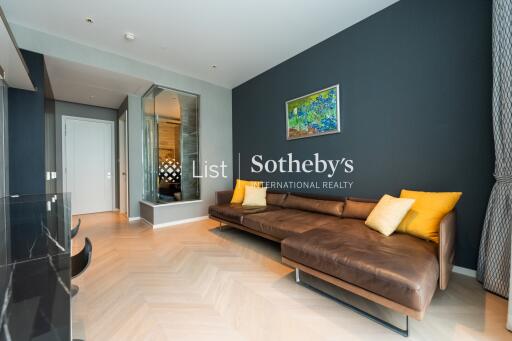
x,y
171,145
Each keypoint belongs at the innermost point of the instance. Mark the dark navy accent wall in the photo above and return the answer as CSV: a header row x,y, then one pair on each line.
x,y
26,132
415,88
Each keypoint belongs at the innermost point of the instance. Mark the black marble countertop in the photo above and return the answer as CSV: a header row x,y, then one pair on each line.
x,y
35,267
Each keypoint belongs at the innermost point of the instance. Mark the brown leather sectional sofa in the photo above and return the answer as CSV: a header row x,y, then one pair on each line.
x,y
328,239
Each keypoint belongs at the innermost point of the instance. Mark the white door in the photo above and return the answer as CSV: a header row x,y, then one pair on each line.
x,y
88,161
123,169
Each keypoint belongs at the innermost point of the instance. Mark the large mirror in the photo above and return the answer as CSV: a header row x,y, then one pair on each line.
x,y
171,145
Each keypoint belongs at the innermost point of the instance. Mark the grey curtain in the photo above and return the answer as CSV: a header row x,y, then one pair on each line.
x,y
494,258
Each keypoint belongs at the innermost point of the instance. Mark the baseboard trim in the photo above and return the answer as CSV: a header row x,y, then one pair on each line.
x,y
464,271
178,222
134,218
146,222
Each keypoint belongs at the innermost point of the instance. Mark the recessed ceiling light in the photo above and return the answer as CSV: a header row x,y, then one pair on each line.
x,y
91,97
213,67
129,36
89,20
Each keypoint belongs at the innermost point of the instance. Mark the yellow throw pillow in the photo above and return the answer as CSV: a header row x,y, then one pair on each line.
x,y
255,196
239,192
424,218
388,213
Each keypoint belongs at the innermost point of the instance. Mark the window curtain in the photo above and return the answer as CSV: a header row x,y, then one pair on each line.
x,y
493,269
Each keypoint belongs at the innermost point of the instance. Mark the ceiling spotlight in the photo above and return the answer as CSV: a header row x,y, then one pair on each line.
x,y
89,20
213,67
129,36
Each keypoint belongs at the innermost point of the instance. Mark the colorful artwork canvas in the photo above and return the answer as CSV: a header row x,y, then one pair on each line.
x,y
314,114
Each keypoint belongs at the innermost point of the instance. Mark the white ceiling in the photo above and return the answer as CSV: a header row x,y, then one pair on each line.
x,y
242,37
85,84
12,66
169,103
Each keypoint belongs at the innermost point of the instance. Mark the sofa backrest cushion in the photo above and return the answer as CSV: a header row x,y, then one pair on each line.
x,y
276,199
358,209
363,199
330,207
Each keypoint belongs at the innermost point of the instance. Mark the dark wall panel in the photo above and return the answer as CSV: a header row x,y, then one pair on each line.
x,y
26,132
415,94
4,140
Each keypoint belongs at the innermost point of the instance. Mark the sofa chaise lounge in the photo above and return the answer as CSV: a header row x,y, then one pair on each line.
x,y
327,238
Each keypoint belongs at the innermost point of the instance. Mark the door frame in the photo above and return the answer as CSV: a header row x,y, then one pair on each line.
x,y
124,118
65,119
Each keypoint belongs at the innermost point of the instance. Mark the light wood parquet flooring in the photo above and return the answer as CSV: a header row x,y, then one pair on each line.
x,y
198,282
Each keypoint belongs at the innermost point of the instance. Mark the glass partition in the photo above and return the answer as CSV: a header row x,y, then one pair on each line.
x,y
171,145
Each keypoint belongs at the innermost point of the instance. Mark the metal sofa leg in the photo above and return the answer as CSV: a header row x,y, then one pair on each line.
x,y
392,327
74,290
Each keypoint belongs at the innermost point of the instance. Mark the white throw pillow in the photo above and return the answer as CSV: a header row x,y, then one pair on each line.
x,y
255,196
388,214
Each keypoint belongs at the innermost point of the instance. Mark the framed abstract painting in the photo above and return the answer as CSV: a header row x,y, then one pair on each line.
x,y
314,114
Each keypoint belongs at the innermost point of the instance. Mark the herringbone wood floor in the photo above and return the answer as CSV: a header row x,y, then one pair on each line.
x,y
197,282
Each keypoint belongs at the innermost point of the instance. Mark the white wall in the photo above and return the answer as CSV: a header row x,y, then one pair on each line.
x,y
215,116
135,167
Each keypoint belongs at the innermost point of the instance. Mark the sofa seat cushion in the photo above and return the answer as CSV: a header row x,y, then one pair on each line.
x,y
235,212
400,267
286,222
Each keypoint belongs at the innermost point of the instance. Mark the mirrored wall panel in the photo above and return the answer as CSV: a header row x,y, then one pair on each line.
x,y
171,145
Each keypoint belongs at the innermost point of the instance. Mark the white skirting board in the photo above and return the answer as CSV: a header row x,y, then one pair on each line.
x,y
134,218
509,317
464,271
177,222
